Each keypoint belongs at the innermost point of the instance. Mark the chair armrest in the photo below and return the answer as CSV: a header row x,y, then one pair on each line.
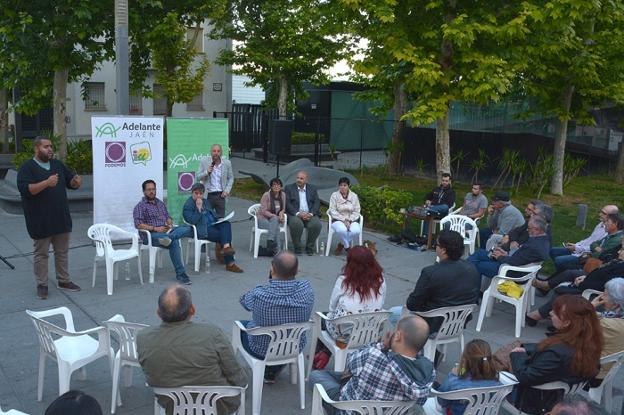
x,y
321,315
149,236
519,279
99,331
240,326
507,378
329,217
64,311
589,292
319,390
529,268
553,386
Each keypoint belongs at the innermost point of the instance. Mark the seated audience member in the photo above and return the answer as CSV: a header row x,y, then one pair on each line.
x,y
440,200
197,211
595,280
476,369
303,209
567,257
282,300
74,402
151,214
577,404
272,213
360,289
344,209
450,282
180,352
571,355
605,248
610,308
519,235
533,250
475,203
393,370
502,218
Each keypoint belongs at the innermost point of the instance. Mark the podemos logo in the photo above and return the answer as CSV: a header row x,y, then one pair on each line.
x,y
107,130
115,153
185,181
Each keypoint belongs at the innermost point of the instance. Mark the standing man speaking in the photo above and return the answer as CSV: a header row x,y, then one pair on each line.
x,y
42,182
217,176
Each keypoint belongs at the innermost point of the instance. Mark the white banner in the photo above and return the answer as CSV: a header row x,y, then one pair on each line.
x,y
126,152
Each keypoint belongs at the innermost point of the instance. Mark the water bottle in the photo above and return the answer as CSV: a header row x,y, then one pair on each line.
x,y
322,250
127,271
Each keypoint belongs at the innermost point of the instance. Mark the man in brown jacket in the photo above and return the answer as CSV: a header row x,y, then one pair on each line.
x,y
182,353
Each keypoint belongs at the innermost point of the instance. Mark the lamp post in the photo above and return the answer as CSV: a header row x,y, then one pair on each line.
x,y
121,53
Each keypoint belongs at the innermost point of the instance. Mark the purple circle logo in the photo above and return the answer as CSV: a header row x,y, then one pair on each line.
x,y
185,181
115,152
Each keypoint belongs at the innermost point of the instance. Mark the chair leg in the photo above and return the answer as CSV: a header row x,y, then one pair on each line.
x,y
197,252
340,360
186,255
430,348
330,234
116,369
484,305
140,270
519,318
256,243
41,376
64,377
110,271
94,268
258,381
251,239
152,264
313,344
300,369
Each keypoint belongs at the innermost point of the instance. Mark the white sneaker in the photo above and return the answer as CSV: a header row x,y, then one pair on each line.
x,y
164,242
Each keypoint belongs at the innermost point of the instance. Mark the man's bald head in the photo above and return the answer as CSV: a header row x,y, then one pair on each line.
x,y
285,265
415,331
610,209
175,304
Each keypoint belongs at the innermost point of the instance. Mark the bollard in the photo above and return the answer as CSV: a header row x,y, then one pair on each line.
x,y
581,216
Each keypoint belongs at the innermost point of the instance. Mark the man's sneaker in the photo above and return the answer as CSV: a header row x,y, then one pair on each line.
x,y
184,279
42,291
68,286
164,242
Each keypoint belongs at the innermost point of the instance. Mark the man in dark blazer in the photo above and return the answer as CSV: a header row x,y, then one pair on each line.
x,y
303,210
450,282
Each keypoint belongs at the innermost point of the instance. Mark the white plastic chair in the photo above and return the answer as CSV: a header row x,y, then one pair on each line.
x,y
434,222
283,349
366,328
100,233
521,304
458,224
481,401
70,349
451,330
358,407
606,387
588,293
12,412
200,400
567,390
257,232
127,355
197,244
330,232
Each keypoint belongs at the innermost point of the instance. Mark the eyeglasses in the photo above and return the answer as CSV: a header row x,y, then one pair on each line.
x,y
603,212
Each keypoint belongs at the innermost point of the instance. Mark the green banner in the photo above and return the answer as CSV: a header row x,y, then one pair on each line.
x,y
188,142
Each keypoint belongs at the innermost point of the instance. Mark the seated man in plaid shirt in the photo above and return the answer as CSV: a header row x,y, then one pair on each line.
x,y
387,371
280,301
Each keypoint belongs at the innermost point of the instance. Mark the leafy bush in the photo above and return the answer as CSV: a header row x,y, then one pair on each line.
x,y
380,206
305,138
79,154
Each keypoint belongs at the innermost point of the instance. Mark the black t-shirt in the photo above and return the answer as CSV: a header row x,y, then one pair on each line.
x,y
46,213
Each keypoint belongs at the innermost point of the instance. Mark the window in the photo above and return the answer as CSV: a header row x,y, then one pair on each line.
x,y
197,104
136,104
160,100
196,36
94,96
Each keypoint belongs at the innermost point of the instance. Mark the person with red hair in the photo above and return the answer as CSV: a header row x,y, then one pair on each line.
x,y
571,355
360,289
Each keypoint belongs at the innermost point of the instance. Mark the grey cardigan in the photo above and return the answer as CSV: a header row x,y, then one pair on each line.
x,y
227,174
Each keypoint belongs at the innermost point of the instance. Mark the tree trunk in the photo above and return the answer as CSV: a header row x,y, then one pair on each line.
x,y
4,121
282,99
170,107
60,110
619,169
396,147
561,134
443,148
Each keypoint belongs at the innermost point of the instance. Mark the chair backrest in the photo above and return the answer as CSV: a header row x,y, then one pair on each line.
x,y
358,407
48,332
365,327
253,211
197,400
284,339
126,333
618,358
479,401
530,271
458,224
100,234
454,319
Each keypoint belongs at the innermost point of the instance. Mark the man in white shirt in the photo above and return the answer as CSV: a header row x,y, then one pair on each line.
x,y
216,174
566,257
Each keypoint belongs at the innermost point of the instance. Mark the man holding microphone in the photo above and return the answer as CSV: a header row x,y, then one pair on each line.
x,y
42,182
217,176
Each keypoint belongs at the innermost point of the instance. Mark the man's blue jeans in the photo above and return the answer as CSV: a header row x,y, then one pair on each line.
x,y
330,380
441,210
563,259
486,266
174,248
221,233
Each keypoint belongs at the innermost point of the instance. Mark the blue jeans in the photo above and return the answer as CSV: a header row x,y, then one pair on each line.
x,y
484,235
330,380
441,210
563,259
396,314
174,248
486,266
221,233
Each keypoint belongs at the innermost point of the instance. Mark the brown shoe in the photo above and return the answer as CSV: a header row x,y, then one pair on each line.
x,y
68,286
233,268
542,285
228,251
42,291
219,253
339,248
